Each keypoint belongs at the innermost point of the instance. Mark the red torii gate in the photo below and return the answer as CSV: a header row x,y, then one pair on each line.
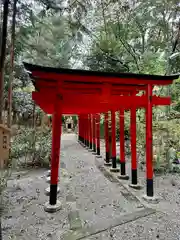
x,y
67,91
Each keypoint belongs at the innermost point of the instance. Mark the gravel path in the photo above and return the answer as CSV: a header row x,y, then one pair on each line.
x,y
88,199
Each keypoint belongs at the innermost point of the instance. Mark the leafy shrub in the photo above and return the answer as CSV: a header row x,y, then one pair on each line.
x,y
32,147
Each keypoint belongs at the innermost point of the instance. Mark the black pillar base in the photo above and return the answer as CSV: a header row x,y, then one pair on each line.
x,y
114,164
107,157
149,188
134,183
53,194
123,168
107,161
123,175
98,151
134,176
90,145
94,147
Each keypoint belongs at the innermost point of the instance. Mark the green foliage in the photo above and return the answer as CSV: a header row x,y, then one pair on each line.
x,y
32,147
138,39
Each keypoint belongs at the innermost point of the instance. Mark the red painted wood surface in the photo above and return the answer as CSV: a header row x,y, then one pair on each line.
x,y
106,132
56,140
133,139
98,129
90,129
71,105
149,136
113,129
122,135
94,129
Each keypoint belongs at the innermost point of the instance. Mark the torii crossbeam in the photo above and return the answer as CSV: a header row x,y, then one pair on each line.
x,y
69,91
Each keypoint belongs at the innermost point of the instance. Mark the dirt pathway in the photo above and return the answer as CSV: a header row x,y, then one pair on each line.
x,y
92,206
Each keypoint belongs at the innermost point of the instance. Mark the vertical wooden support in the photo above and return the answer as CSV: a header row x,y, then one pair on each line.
x,y
98,134
113,129
53,204
149,149
134,178
90,133
79,131
80,127
88,130
133,147
94,134
122,146
85,130
106,131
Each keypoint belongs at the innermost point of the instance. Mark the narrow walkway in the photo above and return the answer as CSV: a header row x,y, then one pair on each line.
x,y
92,206
97,198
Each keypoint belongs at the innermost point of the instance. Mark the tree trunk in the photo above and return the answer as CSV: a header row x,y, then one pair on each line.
x,y
3,55
12,65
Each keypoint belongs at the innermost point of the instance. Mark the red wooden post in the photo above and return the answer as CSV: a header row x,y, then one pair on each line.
x,y
79,133
55,158
94,134
90,131
106,136
113,129
98,134
85,130
134,180
80,128
149,149
122,146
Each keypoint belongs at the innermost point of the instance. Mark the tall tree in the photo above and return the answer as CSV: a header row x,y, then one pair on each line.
x,y
11,63
3,54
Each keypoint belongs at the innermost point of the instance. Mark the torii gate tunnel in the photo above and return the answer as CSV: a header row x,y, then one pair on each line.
x,y
88,94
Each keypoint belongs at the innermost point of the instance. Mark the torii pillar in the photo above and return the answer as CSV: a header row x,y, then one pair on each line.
x,y
54,205
149,149
88,127
94,133
122,146
86,131
134,177
90,132
107,149
113,128
98,136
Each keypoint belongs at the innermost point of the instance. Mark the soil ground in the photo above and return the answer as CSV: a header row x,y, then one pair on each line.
x,y
94,205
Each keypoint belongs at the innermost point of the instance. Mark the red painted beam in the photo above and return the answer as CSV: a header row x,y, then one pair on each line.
x,y
125,101
49,109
